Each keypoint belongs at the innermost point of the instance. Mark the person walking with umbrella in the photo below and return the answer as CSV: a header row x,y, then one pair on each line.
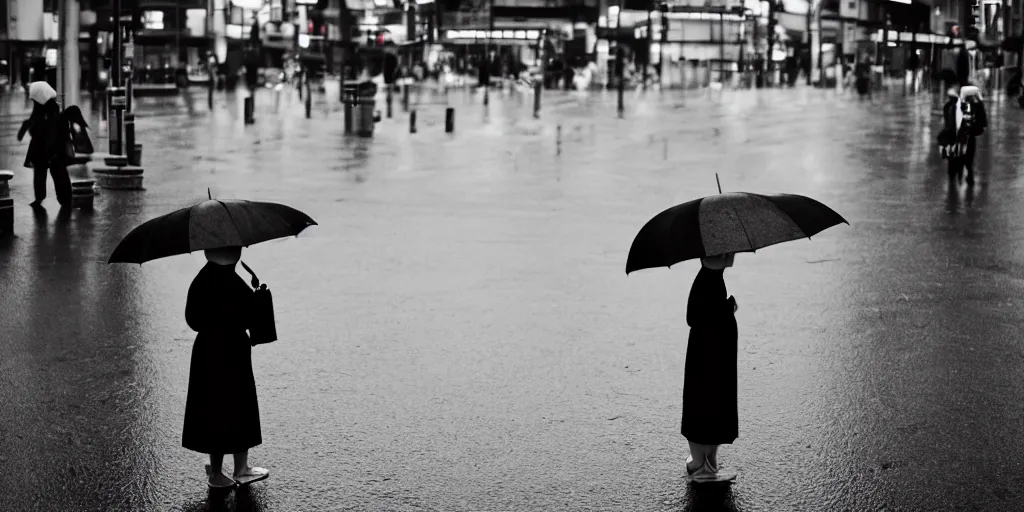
x,y
220,307
50,145
714,229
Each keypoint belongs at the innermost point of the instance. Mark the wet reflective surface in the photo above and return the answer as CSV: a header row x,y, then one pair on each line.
x,y
459,334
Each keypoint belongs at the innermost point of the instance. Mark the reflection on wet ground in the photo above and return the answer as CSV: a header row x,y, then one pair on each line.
x,y
459,334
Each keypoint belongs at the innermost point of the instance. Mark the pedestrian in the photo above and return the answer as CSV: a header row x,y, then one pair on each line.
x,y
50,147
182,82
710,410
220,309
964,119
863,81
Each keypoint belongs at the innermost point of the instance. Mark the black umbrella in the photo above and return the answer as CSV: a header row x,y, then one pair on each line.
x,y
210,224
727,223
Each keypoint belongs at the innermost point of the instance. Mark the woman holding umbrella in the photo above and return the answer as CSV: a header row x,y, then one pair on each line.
x,y
220,308
713,229
710,405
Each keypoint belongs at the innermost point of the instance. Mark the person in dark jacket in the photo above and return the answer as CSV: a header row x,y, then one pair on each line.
x,y
48,148
964,119
219,309
710,410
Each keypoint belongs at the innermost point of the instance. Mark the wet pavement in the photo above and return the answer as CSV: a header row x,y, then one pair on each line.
x,y
459,334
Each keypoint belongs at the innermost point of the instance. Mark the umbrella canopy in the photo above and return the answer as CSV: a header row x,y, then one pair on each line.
x,y
725,223
210,225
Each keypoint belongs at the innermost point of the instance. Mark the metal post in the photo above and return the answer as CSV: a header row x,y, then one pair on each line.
x,y
309,98
213,84
538,88
758,61
618,60
129,137
114,126
721,48
129,92
487,52
913,72
650,39
664,42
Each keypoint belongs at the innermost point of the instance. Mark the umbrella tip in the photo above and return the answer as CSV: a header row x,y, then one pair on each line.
x,y
208,194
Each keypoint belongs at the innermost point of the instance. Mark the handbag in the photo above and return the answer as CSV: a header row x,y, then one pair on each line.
x,y
263,328
81,141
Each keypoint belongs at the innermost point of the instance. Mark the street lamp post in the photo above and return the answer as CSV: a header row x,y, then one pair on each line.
x,y
619,58
115,91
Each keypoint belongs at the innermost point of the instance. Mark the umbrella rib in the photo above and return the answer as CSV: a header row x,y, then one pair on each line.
x,y
744,228
232,219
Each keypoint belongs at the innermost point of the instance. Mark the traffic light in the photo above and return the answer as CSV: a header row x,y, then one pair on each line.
x,y
317,25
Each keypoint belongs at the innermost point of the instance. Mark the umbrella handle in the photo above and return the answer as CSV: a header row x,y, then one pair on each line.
x,y
255,280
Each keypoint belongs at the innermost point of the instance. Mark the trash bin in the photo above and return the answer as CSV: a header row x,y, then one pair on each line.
x,y
360,115
136,156
364,116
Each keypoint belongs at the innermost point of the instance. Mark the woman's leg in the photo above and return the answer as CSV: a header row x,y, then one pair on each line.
x,y
217,476
216,463
61,183
712,456
241,462
39,182
245,474
697,456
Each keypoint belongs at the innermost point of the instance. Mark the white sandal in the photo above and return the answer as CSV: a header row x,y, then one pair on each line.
x,y
252,474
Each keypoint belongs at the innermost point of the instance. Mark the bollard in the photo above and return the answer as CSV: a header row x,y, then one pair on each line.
x,y
209,94
6,205
129,137
137,161
389,100
558,140
82,194
412,122
536,99
405,97
449,120
309,101
248,109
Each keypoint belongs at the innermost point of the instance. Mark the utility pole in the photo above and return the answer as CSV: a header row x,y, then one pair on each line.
x,y
619,65
770,53
664,42
487,52
650,38
115,92
721,48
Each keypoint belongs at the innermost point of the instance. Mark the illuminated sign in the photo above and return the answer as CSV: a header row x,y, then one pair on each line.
x,y
493,34
153,20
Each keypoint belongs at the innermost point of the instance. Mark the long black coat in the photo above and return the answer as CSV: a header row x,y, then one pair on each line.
x,y
221,413
710,410
48,134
